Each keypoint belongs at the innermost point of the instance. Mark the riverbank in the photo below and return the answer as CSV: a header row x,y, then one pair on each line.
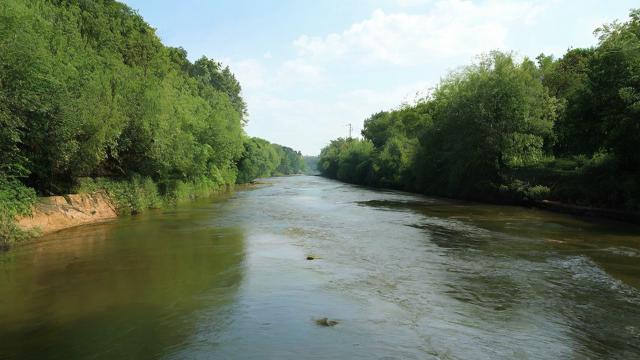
x,y
548,205
54,213
214,279
100,200
93,200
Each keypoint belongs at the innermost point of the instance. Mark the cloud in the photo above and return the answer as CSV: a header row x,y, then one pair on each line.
x,y
308,124
450,28
297,71
409,3
251,73
306,100
254,74
375,100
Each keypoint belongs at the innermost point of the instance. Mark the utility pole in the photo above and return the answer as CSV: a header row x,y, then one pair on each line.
x,y
350,130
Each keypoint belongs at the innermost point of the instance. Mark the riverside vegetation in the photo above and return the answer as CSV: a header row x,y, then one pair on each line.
x,y
506,130
90,99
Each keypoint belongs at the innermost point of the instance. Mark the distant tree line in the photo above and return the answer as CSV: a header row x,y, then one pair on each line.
x,y
311,164
501,129
88,91
263,159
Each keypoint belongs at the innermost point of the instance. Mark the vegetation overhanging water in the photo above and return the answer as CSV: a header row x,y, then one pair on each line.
x,y
404,276
92,100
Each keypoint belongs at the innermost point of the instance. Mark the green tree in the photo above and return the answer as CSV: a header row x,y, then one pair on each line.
x,y
489,117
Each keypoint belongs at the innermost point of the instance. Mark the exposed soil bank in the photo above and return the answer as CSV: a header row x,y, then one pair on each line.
x,y
54,213
61,212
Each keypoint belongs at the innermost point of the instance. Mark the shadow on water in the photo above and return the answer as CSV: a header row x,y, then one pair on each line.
x,y
407,277
564,276
451,224
125,289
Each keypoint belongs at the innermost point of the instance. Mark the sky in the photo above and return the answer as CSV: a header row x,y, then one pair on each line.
x,y
310,67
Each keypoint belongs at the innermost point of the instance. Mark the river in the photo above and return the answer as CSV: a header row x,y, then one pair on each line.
x,y
405,277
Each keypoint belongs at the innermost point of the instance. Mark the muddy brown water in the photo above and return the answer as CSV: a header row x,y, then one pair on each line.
x,y
404,277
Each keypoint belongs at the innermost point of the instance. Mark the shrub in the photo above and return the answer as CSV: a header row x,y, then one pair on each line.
x,y
15,199
518,190
141,193
129,196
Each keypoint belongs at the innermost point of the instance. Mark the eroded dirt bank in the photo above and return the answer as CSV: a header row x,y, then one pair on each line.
x,y
60,212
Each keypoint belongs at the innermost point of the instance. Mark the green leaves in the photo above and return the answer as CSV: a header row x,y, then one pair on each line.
x,y
87,89
15,199
478,123
263,159
488,117
502,129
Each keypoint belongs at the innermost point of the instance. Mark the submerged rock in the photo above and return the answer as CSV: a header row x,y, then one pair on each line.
x,y
326,322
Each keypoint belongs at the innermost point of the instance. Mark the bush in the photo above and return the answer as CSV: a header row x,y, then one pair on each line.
x,y
518,190
15,200
142,193
601,182
177,191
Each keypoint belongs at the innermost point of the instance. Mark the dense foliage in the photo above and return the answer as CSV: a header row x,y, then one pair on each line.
x,y
565,129
87,90
263,159
15,199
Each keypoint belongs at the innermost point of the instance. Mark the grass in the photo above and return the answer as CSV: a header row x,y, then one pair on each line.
x,y
139,194
129,196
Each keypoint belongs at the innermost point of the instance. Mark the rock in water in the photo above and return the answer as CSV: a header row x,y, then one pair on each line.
x,y
326,322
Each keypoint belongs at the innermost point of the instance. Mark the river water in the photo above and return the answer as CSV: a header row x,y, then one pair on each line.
x,y
405,277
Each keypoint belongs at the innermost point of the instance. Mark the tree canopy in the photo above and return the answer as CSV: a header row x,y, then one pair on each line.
x,y
263,159
87,90
565,129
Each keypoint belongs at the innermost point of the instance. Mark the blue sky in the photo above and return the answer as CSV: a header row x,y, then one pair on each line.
x,y
309,67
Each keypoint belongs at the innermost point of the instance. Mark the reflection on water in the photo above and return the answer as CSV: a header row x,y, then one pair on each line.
x,y
533,269
407,277
125,289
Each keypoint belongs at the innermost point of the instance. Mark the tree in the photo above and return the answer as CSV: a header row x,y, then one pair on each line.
x,y
489,117
614,81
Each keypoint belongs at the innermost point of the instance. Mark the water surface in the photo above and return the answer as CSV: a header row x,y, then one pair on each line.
x,y
406,277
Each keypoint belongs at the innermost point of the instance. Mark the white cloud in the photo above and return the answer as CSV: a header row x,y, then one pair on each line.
x,y
374,100
450,28
308,124
300,72
409,3
251,73
255,74
307,100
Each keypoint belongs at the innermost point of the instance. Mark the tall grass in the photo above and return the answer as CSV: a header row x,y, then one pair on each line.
x,y
141,193
131,196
